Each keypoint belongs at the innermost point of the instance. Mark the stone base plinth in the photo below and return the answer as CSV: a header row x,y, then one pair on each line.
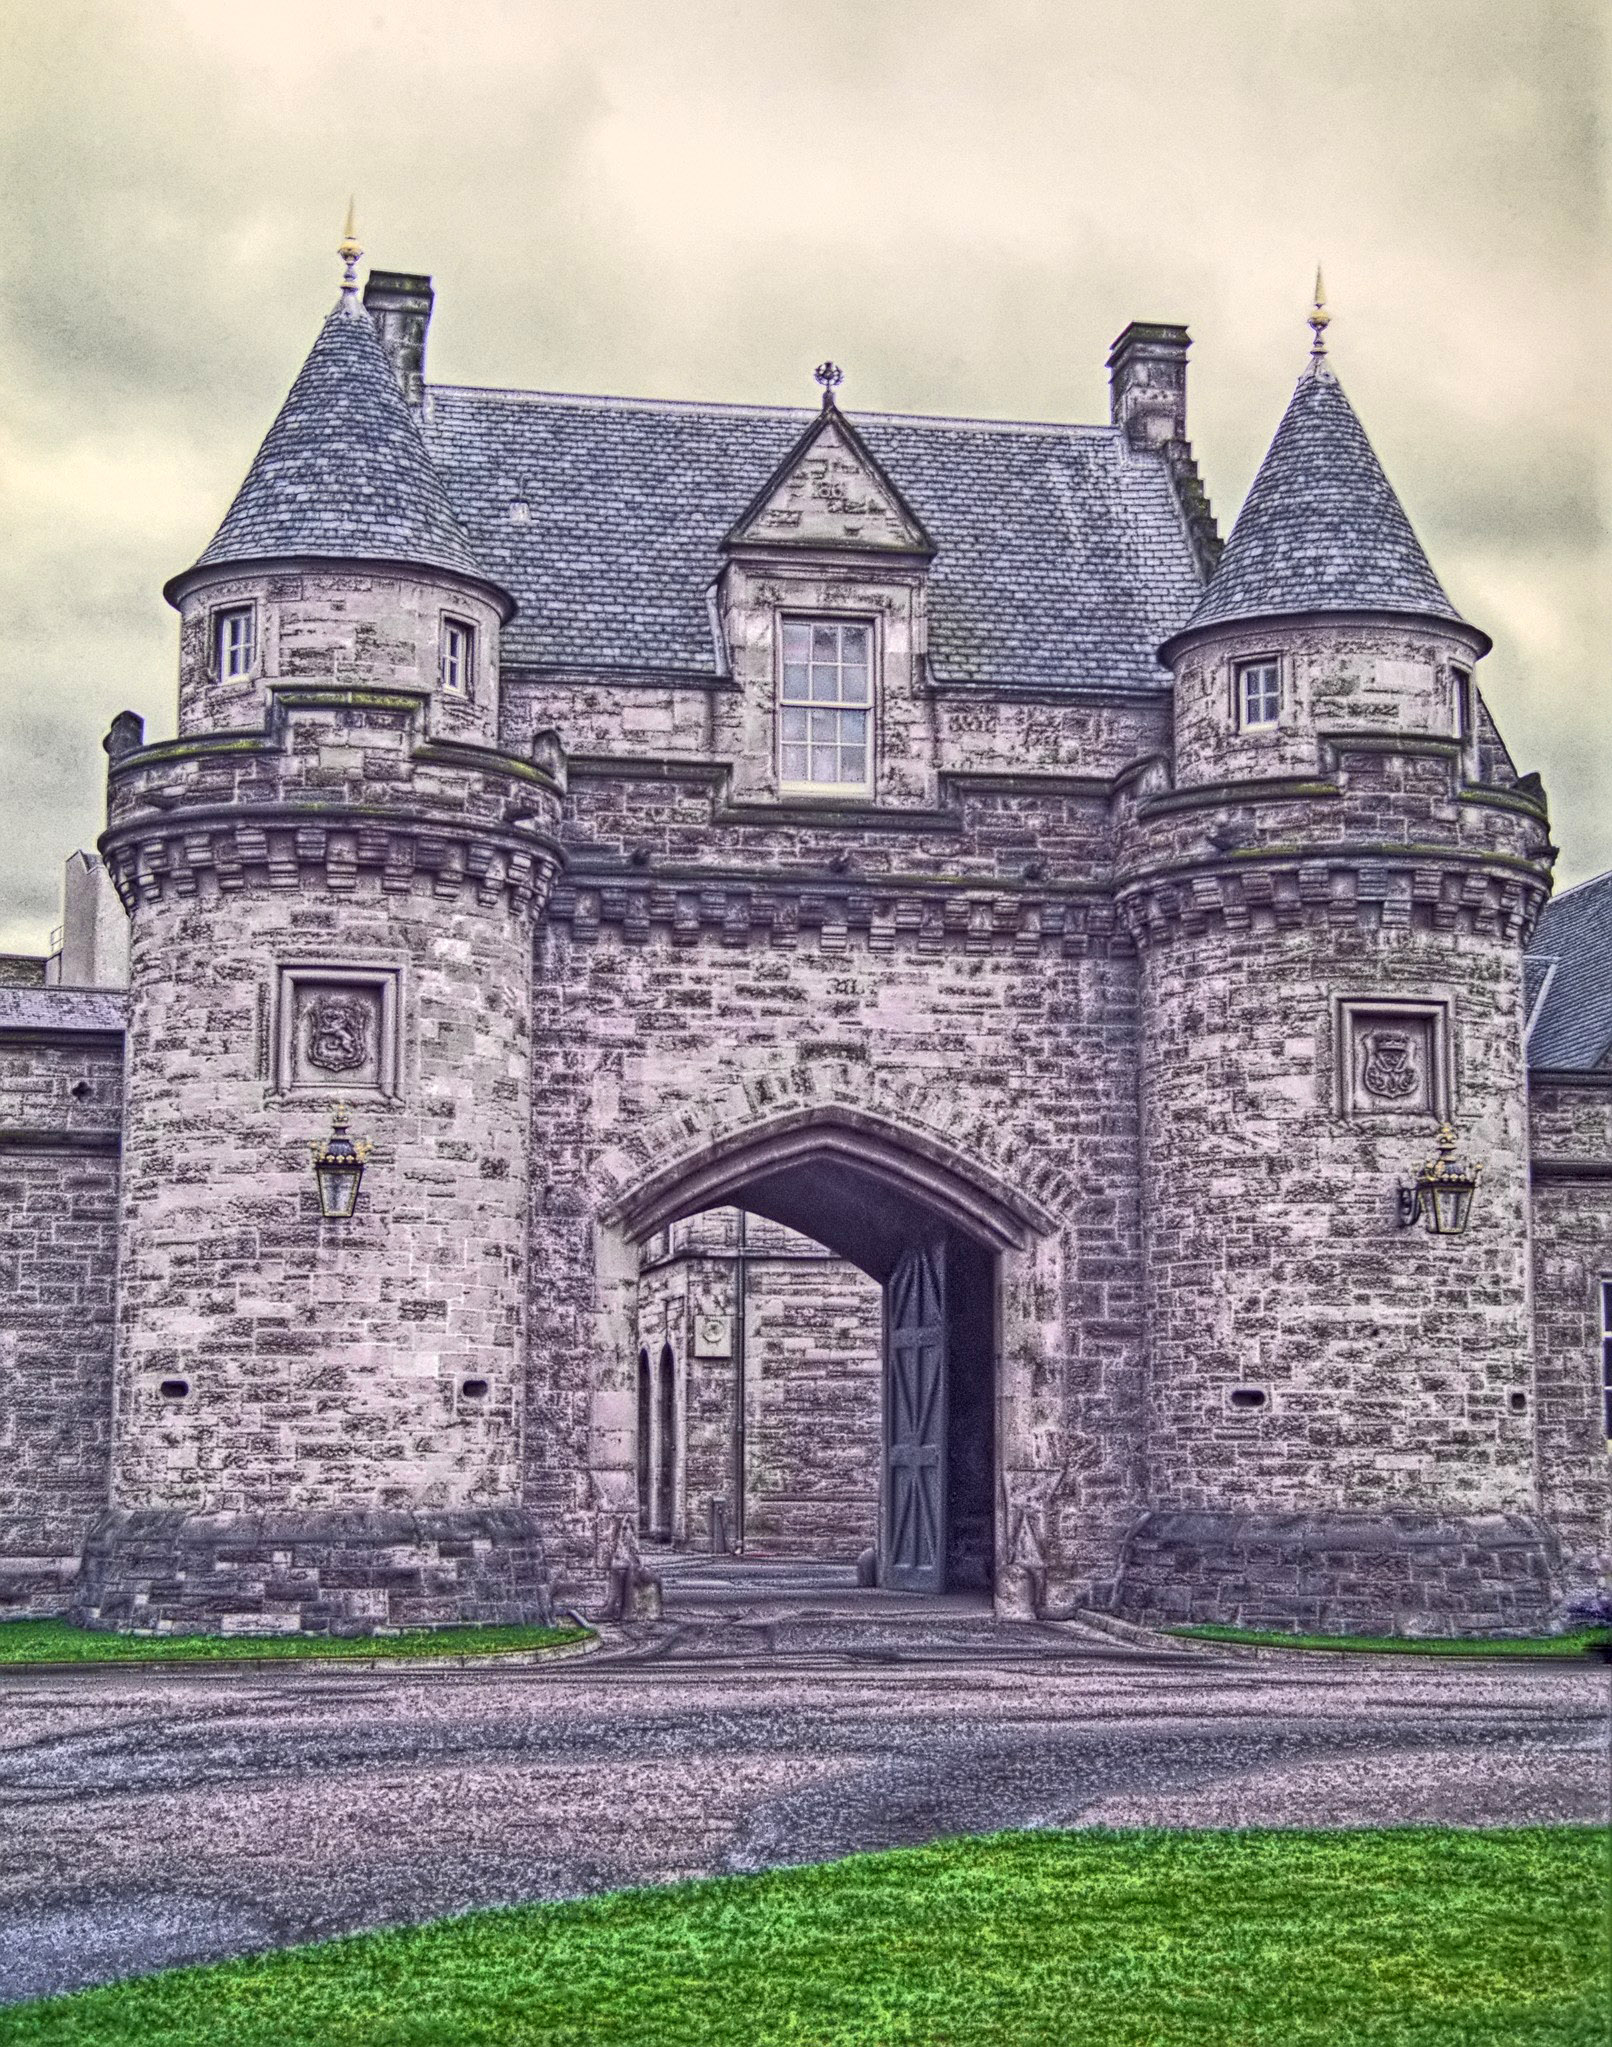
x,y
36,1587
338,1573
1340,1573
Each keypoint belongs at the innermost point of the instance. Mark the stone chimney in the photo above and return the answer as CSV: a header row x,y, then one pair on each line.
x,y
400,305
1147,383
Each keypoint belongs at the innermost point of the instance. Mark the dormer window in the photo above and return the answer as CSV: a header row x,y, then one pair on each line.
x,y
454,661
234,642
825,707
1259,695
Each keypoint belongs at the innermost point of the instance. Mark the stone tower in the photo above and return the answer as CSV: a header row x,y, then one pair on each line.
x,y
331,876
1330,898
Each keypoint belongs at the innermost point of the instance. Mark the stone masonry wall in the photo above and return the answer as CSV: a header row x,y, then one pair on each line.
x,y
324,1365
912,977
60,1111
339,626
1572,1242
1331,968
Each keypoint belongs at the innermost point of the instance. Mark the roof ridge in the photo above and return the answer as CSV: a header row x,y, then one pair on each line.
x,y
604,401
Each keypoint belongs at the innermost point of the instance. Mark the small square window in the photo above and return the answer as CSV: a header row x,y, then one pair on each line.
x,y
825,709
456,657
234,642
1259,694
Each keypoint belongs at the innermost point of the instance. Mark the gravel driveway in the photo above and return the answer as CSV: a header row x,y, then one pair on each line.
x,y
159,1816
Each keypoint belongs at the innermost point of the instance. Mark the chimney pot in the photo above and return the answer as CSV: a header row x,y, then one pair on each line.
x,y
400,305
1147,383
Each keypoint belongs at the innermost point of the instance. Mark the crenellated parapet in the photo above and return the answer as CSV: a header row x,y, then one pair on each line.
x,y
1386,833
343,787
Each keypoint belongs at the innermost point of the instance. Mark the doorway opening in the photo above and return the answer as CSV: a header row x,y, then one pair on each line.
x,y
837,1397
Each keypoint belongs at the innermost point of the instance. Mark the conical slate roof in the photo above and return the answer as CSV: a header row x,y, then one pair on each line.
x,y
1321,529
343,471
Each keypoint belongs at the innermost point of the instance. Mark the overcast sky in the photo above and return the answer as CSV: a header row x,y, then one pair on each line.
x,y
962,201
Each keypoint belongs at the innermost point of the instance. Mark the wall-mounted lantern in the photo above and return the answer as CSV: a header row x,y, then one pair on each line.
x,y
338,1170
1442,1193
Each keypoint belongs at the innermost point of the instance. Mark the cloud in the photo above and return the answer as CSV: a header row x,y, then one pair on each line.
x,y
963,203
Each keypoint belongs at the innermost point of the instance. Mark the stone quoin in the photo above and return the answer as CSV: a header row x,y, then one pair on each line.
x,y
889,991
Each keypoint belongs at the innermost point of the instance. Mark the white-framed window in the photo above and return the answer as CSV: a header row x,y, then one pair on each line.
x,y
1461,690
825,705
1259,695
234,642
1606,1357
455,661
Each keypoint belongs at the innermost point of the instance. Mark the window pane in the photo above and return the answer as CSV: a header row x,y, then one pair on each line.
x,y
855,645
794,763
795,673
853,764
825,764
854,685
797,641
825,686
825,643
824,728
794,723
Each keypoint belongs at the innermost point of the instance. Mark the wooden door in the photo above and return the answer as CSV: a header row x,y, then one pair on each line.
x,y
914,1536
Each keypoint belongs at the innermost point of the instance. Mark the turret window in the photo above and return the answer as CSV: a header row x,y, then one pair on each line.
x,y
234,642
1462,689
454,662
1259,694
825,707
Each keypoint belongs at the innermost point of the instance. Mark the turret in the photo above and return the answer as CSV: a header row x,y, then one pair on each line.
x,y
1331,912
331,875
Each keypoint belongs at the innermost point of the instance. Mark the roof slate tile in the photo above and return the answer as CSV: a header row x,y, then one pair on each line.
x,y
1063,559
1321,529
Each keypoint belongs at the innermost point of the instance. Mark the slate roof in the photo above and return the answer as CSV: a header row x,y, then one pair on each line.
x,y
343,470
1321,528
1568,975
1062,555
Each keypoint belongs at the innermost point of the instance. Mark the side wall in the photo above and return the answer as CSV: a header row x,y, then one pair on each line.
x,y
60,1113
1572,1164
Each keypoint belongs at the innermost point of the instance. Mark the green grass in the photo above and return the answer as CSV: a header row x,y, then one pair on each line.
x,y
1404,1937
53,1641
1579,1643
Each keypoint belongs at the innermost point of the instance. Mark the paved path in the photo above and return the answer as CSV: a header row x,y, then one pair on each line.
x,y
173,1815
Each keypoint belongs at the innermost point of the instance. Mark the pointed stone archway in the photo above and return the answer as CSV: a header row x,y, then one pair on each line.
x,y
937,1231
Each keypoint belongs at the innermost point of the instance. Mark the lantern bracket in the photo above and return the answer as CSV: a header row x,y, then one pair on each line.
x,y
1442,1193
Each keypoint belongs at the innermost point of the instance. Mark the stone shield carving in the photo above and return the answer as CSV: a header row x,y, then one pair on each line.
x,y
1388,1065
339,1029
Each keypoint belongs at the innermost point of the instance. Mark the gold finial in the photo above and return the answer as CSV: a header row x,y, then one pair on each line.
x,y
349,252
1319,318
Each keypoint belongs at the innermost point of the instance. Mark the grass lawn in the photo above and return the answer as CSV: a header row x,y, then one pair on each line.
x,y
1579,1643
1404,1937
52,1641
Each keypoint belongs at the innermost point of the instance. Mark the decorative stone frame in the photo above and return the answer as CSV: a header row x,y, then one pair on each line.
x,y
1355,1019
378,989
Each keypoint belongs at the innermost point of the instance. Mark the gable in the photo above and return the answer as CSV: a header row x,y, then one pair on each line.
x,y
830,492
